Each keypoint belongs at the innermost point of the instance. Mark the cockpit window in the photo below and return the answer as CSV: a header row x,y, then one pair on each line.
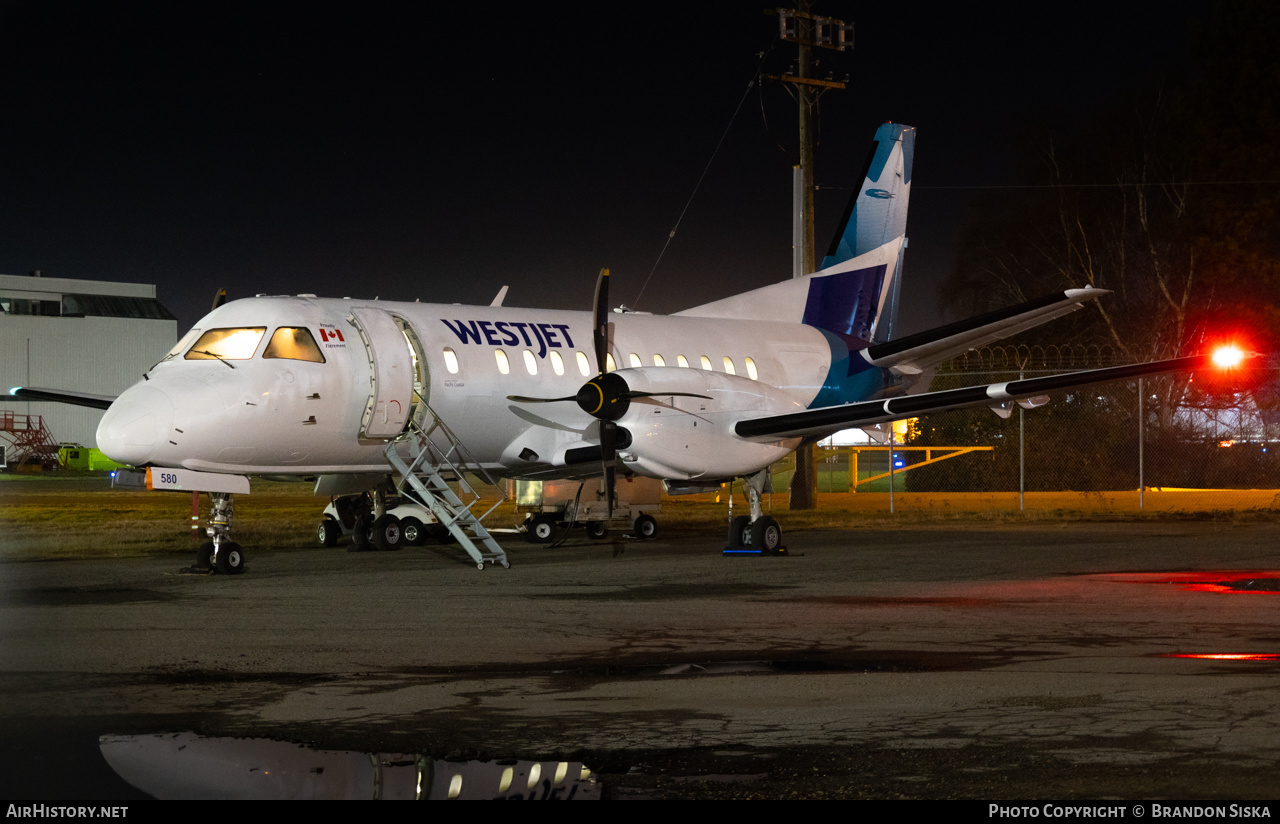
x,y
293,343
181,345
227,344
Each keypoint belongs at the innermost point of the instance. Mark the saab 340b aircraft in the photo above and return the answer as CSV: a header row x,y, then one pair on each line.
x,y
352,391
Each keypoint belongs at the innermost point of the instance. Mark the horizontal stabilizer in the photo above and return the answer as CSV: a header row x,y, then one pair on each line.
x,y
32,393
834,418
915,353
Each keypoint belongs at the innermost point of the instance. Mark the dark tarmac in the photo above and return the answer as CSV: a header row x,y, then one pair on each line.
x,y
956,661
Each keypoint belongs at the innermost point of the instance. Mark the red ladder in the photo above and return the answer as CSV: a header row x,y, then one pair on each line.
x,y
32,441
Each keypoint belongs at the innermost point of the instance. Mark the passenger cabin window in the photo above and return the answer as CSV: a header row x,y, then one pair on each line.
x,y
751,370
634,359
293,343
557,363
706,363
728,365
227,344
584,365
451,361
530,362
504,366
609,365
682,361
658,361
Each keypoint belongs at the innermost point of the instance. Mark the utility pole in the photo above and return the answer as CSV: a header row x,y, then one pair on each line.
x,y
808,31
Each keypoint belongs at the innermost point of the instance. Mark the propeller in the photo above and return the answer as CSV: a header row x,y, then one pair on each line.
x,y
606,397
608,405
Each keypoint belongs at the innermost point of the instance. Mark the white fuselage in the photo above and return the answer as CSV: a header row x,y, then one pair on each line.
x,y
280,415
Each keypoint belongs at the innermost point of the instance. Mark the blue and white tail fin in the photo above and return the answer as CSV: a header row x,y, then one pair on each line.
x,y
854,293
878,213
875,217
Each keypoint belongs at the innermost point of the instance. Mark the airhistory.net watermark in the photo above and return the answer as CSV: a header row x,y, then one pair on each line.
x,y
62,811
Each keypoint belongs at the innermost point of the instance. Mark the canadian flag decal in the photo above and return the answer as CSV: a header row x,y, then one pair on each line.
x,y
326,336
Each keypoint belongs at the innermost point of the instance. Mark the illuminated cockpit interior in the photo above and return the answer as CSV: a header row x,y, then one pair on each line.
x,y
293,343
227,344
239,343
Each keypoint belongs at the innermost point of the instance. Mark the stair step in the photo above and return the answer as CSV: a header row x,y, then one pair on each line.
x,y
427,475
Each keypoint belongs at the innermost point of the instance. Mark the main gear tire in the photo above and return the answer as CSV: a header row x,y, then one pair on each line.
x,y
386,533
766,536
362,535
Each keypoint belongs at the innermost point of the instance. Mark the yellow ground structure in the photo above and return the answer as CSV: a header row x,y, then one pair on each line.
x,y
1121,501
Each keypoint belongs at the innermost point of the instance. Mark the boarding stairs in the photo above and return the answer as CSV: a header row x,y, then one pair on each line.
x,y
33,442
436,457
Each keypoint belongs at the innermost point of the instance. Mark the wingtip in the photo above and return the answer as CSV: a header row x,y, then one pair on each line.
x,y
1086,292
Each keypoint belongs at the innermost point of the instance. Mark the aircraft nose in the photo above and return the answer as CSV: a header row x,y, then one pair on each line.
x,y
136,424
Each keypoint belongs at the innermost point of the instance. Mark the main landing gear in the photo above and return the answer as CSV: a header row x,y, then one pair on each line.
x,y
220,554
376,527
757,533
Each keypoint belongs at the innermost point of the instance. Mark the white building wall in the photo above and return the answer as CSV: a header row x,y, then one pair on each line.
x,y
88,354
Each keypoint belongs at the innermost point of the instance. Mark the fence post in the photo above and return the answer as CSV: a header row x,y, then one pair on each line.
x,y
1142,486
1022,461
893,436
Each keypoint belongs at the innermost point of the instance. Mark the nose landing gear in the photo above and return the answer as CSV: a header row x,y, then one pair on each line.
x,y
220,554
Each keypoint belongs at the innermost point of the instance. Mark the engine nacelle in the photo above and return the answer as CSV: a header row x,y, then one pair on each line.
x,y
685,437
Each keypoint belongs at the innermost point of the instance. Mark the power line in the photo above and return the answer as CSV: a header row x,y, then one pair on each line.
x,y
1103,185
754,77
1074,185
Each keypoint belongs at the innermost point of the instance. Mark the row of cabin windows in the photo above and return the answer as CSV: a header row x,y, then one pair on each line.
x,y
296,343
584,365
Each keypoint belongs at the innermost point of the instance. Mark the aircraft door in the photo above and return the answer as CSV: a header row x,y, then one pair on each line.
x,y
391,373
421,377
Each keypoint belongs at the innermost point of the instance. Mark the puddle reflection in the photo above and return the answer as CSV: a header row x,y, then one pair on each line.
x,y
194,767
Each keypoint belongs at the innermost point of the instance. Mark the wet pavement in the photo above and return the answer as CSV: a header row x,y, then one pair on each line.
x,y
1025,661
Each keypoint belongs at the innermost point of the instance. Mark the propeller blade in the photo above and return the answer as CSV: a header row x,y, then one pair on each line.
x,y
609,477
600,321
635,394
597,398
524,399
608,456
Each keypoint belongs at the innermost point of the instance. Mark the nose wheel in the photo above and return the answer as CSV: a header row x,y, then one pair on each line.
x,y
221,554
226,558
230,559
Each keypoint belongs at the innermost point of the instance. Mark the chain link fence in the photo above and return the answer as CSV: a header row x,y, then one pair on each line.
x,y
1182,431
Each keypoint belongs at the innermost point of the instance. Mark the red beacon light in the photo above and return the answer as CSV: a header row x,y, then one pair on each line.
x,y
1227,357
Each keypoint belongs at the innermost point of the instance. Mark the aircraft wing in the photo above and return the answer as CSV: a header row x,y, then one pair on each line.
x,y
834,418
33,393
915,353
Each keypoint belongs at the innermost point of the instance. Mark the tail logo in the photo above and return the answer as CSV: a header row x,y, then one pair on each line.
x,y
880,193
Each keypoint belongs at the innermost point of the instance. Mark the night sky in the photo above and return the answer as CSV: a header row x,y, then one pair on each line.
x,y
403,151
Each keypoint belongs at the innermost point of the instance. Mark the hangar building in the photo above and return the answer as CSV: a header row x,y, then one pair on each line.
x,y
86,335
